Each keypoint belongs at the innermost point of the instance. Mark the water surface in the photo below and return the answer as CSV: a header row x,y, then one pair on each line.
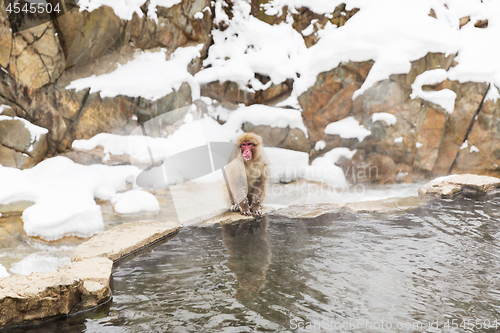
x,y
433,267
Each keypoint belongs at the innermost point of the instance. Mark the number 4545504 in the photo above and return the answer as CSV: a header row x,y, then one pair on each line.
x,y
471,324
32,8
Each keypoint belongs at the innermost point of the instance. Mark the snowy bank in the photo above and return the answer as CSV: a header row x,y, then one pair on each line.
x,y
63,194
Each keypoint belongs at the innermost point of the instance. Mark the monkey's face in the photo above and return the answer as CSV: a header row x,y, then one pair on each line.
x,y
247,150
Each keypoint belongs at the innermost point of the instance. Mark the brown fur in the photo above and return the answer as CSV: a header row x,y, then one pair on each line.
x,y
255,175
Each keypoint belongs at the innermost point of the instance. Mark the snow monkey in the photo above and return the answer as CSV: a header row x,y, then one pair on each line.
x,y
247,174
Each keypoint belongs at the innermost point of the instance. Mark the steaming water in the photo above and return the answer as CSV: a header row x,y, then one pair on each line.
x,y
435,266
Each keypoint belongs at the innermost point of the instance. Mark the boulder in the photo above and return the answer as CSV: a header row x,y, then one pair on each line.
x,y
36,57
452,185
271,136
38,296
22,144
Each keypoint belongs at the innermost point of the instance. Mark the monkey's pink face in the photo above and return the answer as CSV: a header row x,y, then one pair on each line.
x,y
247,150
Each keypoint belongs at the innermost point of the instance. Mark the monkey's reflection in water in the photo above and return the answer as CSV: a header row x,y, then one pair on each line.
x,y
249,255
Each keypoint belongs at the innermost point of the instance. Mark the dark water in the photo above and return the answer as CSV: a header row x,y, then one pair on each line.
x,y
435,269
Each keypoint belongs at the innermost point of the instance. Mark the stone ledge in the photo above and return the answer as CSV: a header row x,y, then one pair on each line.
x,y
82,285
452,185
382,206
72,288
124,239
231,217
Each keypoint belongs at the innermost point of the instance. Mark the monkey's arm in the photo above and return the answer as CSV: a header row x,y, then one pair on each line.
x,y
257,193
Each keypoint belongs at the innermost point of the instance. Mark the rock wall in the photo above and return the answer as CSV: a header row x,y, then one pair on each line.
x,y
426,141
38,63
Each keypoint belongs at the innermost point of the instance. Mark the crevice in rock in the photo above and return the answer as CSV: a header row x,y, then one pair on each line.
x,y
77,118
17,150
473,121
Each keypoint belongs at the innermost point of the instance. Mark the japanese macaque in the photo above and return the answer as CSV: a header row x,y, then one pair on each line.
x,y
247,175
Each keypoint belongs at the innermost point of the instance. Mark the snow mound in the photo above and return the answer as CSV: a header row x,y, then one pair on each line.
x,y
135,201
54,221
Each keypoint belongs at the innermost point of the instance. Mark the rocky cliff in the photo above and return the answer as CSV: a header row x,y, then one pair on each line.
x,y
427,138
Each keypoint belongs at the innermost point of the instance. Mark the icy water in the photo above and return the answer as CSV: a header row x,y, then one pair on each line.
x,y
435,269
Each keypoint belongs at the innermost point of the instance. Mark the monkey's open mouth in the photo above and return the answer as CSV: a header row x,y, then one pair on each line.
x,y
246,158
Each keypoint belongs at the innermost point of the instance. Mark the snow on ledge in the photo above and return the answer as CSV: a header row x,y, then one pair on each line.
x,y
444,98
388,118
149,75
348,128
125,9
259,114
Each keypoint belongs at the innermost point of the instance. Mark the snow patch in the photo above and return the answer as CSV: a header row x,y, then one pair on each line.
x,y
286,165
324,170
398,140
3,272
464,145
473,149
4,107
39,262
444,98
418,145
320,145
388,118
348,128
135,201
125,9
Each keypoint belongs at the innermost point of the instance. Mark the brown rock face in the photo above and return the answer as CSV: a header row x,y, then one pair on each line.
x,y
176,26
469,97
430,137
287,138
485,136
86,36
36,58
330,99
